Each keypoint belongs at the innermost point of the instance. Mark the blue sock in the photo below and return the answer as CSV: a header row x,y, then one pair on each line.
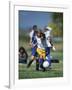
x,y
49,59
40,60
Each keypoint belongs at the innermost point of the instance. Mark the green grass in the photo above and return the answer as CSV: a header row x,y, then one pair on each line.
x,y
57,68
56,71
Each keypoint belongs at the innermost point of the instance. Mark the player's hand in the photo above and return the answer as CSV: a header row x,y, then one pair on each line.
x,y
54,49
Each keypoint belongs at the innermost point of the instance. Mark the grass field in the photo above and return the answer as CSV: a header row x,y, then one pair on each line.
x,y
57,68
24,73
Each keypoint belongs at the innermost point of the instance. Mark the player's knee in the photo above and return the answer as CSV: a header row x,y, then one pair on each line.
x,y
41,57
32,57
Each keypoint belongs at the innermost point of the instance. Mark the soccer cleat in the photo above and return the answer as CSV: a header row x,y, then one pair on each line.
x,y
43,69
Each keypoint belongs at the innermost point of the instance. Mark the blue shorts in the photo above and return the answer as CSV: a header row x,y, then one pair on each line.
x,y
34,51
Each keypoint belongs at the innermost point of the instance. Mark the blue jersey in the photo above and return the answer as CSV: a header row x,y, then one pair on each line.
x,y
34,41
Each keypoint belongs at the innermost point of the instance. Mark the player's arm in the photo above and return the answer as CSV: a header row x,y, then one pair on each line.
x,y
52,45
30,43
54,49
30,36
34,44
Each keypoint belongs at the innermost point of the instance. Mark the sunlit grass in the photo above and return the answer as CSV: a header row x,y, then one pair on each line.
x,y
56,71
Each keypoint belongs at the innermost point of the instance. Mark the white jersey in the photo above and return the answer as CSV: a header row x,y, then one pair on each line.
x,y
39,43
31,34
48,34
48,43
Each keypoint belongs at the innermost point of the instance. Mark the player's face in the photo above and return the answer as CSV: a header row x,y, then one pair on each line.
x,y
45,30
21,51
36,32
35,28
39,34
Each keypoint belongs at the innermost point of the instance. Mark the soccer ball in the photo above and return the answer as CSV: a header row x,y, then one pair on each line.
x,y
45,64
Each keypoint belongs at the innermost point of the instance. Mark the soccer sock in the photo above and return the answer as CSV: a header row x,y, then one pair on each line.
x,y
29,64
37,64
41,62
49,59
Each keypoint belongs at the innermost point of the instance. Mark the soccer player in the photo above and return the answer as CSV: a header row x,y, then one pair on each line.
x,y
49,43
41,44
33,44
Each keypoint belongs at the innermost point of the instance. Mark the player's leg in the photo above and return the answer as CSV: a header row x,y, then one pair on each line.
x,y
37,64
37,61
48,55
41,64
32,57
40,53
40,56
30,62
41,60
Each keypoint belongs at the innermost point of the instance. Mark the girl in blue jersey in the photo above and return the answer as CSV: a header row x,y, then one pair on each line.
x,y
33,44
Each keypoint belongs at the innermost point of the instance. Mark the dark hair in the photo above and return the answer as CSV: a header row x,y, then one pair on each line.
x,y
34,27
43,35
23,52
22,48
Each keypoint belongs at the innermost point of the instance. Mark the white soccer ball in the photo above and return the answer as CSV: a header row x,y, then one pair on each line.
x,y
45,64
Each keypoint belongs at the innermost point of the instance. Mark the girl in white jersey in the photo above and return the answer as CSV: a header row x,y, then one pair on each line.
x,y
48,37
41,44
33,47
49,43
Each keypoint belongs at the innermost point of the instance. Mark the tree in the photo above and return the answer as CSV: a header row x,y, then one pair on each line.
x,y
58,19
56,31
